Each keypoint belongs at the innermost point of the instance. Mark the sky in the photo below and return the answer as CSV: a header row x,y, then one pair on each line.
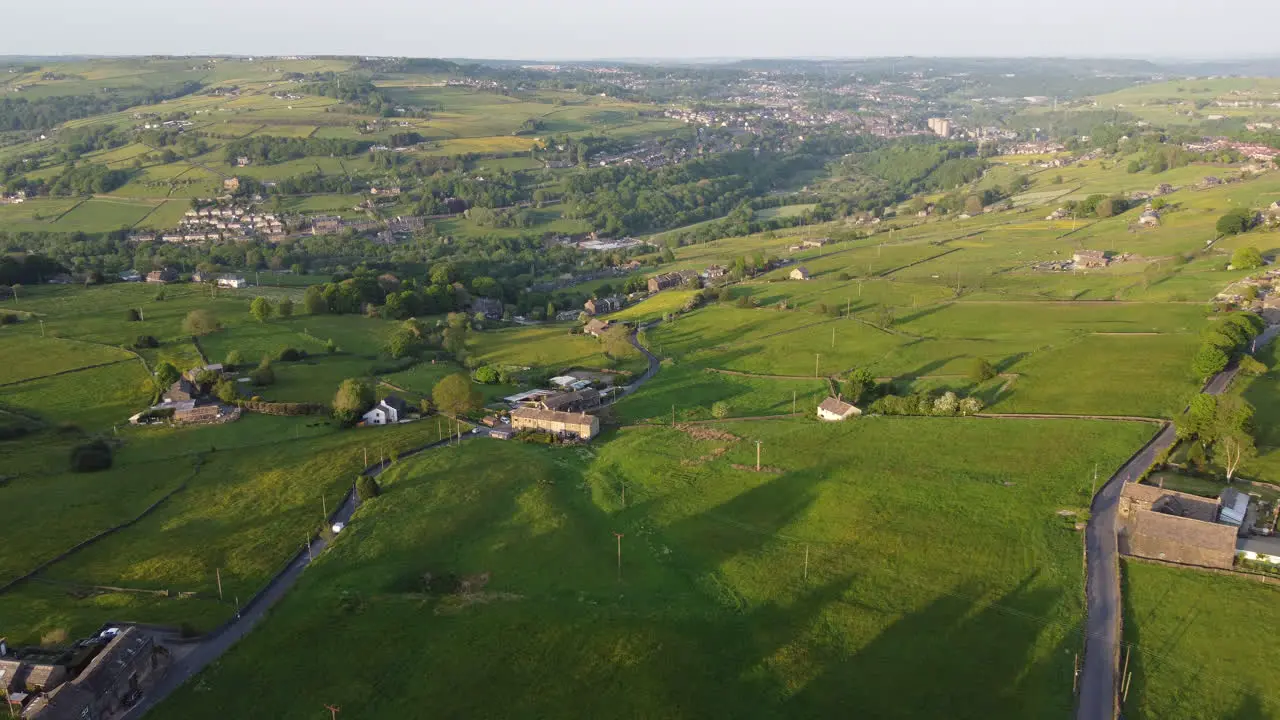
x,y
676,29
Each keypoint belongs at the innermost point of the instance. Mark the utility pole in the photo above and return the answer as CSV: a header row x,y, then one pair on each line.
x,y
333,711
758,443
849,303
816,357
142,315
833,338
673,416
793,402
806,561
366,457
218,571
618,535
42,328
310,557
324,505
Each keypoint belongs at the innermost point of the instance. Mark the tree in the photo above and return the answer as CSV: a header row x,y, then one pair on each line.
x,y
91,456
1246,258
455,395
980,370
226,391
166,375
260,308
402,344
132,315
973,205
455,334
720,410
946,404
616,340
354,397
263,374
1235,222
1233,449
285,308
970,406
1198,421
485,375
884,317
233,359
313,300
858,383
200,322
367,488
1209,360
1249,365
1105,208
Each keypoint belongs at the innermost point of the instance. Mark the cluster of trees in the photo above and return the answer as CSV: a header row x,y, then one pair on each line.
x,y
30,269
271,149
508,218
1221,425
36,114
1098,205
262,309
1225,340
946,404
1235,222
76,180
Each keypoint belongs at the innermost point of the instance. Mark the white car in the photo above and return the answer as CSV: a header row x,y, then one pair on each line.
x,y
337,527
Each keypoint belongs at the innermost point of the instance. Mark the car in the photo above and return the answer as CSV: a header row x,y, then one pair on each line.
x,y
338,527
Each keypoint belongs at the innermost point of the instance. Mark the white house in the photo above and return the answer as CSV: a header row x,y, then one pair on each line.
x,y
232,281
388,411
834,409
800,273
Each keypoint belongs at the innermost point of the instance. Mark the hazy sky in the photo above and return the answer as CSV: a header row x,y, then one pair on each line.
x,y
577,29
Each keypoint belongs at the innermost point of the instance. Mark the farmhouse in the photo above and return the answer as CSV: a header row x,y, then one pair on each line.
x,y
834,409
595,328
800,273
123,667
232,281
231,183
388,411
326,224
715,272
815,242
666,281
1089,259
597,306
562,424
166,275
1173,526
180,391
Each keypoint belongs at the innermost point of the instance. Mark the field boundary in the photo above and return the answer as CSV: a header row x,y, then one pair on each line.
x,y
1064,416
67,372
6,587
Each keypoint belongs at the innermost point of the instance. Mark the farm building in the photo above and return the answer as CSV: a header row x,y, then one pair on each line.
x,y
1089,259
388,411
666,281
800,273
232,281
124,666
577,401
1173,526
563,424
180,391
491,308
835,409
197,414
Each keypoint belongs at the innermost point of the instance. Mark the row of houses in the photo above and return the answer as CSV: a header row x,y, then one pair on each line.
x,y
1178,527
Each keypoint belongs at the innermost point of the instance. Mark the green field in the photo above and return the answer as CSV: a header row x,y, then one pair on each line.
x,y
1199,644
713,605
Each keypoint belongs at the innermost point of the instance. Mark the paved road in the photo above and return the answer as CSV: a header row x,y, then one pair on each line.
x,y
202,654
1099,678
654,365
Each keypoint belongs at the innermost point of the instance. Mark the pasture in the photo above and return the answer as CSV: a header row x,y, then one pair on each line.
x,y
714,601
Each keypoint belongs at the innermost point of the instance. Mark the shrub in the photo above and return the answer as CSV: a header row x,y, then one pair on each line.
x,y
91,456
146,341
1246,258
485,375
8,318
263,374
1235,222
981,370
367,488
132,315
290,354
200,322
720,410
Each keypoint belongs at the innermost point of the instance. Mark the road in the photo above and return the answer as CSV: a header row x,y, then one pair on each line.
x,y
1099,679
199,655
654,365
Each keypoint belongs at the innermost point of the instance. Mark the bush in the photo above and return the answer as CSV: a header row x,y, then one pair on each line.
x,y
291,354
720,410
367,488
132,315
263,374
1235,222
1246,258
485,375
145,341
981,370
8,318
91,456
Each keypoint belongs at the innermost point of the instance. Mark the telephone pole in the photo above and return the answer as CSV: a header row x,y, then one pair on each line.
x,y
816,357
833,338
218,571
806,561
618,535
758,443
324,505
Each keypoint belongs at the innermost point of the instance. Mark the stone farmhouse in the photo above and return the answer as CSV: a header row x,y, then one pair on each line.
x,y
1177,527
561,424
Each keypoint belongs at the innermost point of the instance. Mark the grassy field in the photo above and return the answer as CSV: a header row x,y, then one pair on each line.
x,y
549,348
713,604
26,356
1201,648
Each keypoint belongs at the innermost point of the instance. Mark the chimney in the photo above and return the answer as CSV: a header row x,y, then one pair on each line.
x,y
4,648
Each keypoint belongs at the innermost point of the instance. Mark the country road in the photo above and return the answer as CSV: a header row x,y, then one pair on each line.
x,y
1099,679
204,652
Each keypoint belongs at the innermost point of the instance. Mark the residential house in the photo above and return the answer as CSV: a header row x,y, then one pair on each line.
x,y
596,328
124,667
563,424
199,277
243,161
385,191
491,308
578,401
216,368
715,272
1149,218
815,242
835,409
231,184
326,225
665,281
1176,527
564,315
1089,259
599,306
234,282
166,275
800,273
388,411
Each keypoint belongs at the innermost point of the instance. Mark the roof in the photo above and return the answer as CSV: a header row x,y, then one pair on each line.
x,y
1172,502
837,406
596,326
396,403
553,416
566,399
9,671
563,380
1184,530
117,658
68,701
1235,505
